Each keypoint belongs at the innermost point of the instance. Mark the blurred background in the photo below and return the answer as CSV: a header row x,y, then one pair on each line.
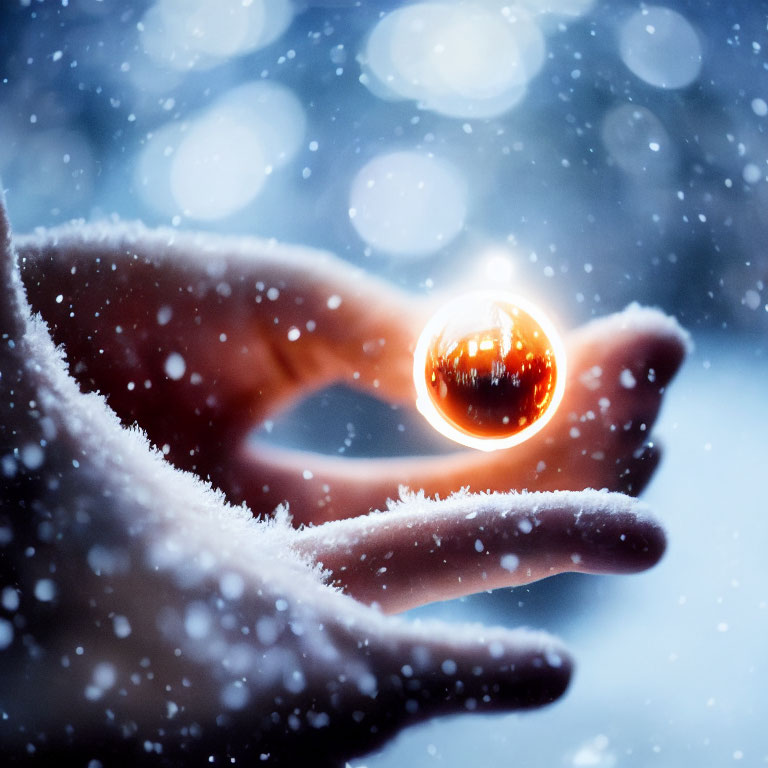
x,y
615,151
588,153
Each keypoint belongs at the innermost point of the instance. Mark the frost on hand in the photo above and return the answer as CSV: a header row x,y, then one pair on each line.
x,y
160,619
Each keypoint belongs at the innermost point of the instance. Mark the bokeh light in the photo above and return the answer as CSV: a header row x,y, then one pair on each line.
x,y
661,47
217,163
567,8
200,34
586,154
407,203
462,61
637,141
218,167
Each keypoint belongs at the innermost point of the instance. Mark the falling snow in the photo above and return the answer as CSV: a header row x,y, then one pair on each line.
x,y
584,155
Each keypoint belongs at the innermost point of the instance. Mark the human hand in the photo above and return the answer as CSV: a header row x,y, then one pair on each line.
x,y
256,326
158,619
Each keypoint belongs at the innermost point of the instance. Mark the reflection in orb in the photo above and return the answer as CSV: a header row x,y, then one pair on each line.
x,y
407,203
489,370
661,47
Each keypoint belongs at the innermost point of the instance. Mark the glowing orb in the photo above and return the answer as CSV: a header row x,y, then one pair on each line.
x,y
489,370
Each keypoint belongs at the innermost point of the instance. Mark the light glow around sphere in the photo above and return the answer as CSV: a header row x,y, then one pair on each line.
x,y
498,267
489,370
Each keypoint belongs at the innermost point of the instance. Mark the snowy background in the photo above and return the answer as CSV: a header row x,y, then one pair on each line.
x,y
601,152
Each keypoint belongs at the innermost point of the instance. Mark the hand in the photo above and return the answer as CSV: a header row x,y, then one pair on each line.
x,y
159,620
123,300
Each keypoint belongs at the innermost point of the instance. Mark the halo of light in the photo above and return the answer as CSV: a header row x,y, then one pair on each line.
x,y
468,303
462,61
661,47
498,266
407,203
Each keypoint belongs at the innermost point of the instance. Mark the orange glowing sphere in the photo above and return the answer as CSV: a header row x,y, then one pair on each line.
x,y
489,370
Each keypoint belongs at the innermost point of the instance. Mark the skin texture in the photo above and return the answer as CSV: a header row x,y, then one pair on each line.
x,y
166,625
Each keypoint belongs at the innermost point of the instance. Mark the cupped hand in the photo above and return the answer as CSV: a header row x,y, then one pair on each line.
x,y
147,620
199,338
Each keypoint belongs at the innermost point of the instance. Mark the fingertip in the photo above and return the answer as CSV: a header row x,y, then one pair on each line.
x,y
636,472
504,670
623,542
650,343
540,679
532,671
438,669
655,321
660,343
646,544
664,361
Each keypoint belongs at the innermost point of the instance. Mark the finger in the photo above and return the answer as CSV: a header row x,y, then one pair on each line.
x,y
198,631
201,419
197,337
347,324
402,675
635,472
433,668
619,369
421,551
